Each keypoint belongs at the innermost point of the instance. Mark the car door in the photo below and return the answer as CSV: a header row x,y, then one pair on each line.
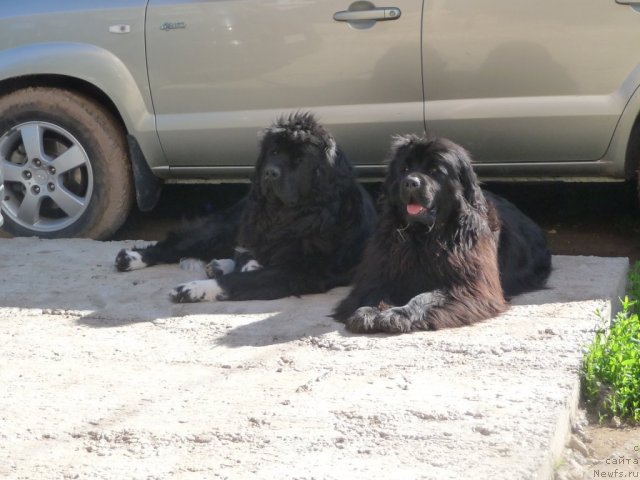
x,y
221,70
525,82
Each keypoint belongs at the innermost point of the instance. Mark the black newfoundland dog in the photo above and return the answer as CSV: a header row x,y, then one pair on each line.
x,y
445,253
301,228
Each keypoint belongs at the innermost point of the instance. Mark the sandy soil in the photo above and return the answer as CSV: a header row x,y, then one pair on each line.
x,y
104,378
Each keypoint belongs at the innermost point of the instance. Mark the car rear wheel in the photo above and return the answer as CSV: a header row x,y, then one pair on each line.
x,y
65,164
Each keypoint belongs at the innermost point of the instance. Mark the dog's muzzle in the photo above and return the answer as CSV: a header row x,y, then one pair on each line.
x,y
411,183
275,185
416,200
412,189
271,173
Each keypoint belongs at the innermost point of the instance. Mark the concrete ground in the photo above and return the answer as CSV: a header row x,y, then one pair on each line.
x,y
103,378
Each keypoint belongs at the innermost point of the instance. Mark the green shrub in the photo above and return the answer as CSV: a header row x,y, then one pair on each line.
x,y
611,367
634,287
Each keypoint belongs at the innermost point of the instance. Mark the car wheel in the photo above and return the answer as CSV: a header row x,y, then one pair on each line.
x,y
65,163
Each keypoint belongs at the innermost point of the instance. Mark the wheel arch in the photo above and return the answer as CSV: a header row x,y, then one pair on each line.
x,y
624,148
632,154
92,71
101,76
64,82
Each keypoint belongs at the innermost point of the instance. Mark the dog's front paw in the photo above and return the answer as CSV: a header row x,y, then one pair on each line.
x,y
128,260
197,291
217,268
393,320
362,320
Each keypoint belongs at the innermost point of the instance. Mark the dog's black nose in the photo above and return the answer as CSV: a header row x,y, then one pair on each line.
x,y
411,182
271,173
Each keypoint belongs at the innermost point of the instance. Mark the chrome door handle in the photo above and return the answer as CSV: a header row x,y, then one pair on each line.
x,y
383,13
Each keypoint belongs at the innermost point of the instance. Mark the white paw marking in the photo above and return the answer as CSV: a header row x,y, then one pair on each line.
x,y
196,291
227,265
135,260
251,265
192,265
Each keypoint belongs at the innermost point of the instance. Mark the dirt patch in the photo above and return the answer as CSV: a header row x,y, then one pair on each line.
x,y
600,451
605,439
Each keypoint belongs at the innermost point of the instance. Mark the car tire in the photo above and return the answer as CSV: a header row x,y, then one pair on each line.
x,y
66,165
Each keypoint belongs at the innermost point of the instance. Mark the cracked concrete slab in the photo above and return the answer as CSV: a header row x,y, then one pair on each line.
x,y
103,378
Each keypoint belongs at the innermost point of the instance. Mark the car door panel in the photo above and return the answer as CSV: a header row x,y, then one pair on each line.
x,y
222,70
529,81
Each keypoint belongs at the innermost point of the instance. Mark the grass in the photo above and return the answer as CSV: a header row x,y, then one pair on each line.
x,y
611,367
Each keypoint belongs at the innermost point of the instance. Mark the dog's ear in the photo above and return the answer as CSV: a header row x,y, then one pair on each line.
x,y
473,195
254,179
398,144
340,165
331,149
316,134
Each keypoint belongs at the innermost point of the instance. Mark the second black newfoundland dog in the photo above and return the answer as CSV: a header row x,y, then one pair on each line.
x,y
301,228
445,253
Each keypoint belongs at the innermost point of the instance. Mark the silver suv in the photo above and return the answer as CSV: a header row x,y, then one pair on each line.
x,y
101,102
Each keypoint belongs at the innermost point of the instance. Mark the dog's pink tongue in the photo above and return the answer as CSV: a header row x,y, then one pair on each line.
x,y
415,209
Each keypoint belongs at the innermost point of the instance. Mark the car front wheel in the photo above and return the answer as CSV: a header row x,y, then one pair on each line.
x,y
65,163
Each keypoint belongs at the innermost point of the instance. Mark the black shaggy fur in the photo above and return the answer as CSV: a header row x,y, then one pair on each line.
x,y
445,253
302,226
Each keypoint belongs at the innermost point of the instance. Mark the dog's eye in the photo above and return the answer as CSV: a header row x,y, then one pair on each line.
x,y
274,152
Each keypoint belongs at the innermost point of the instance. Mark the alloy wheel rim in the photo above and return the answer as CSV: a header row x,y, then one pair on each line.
x,y
47,176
